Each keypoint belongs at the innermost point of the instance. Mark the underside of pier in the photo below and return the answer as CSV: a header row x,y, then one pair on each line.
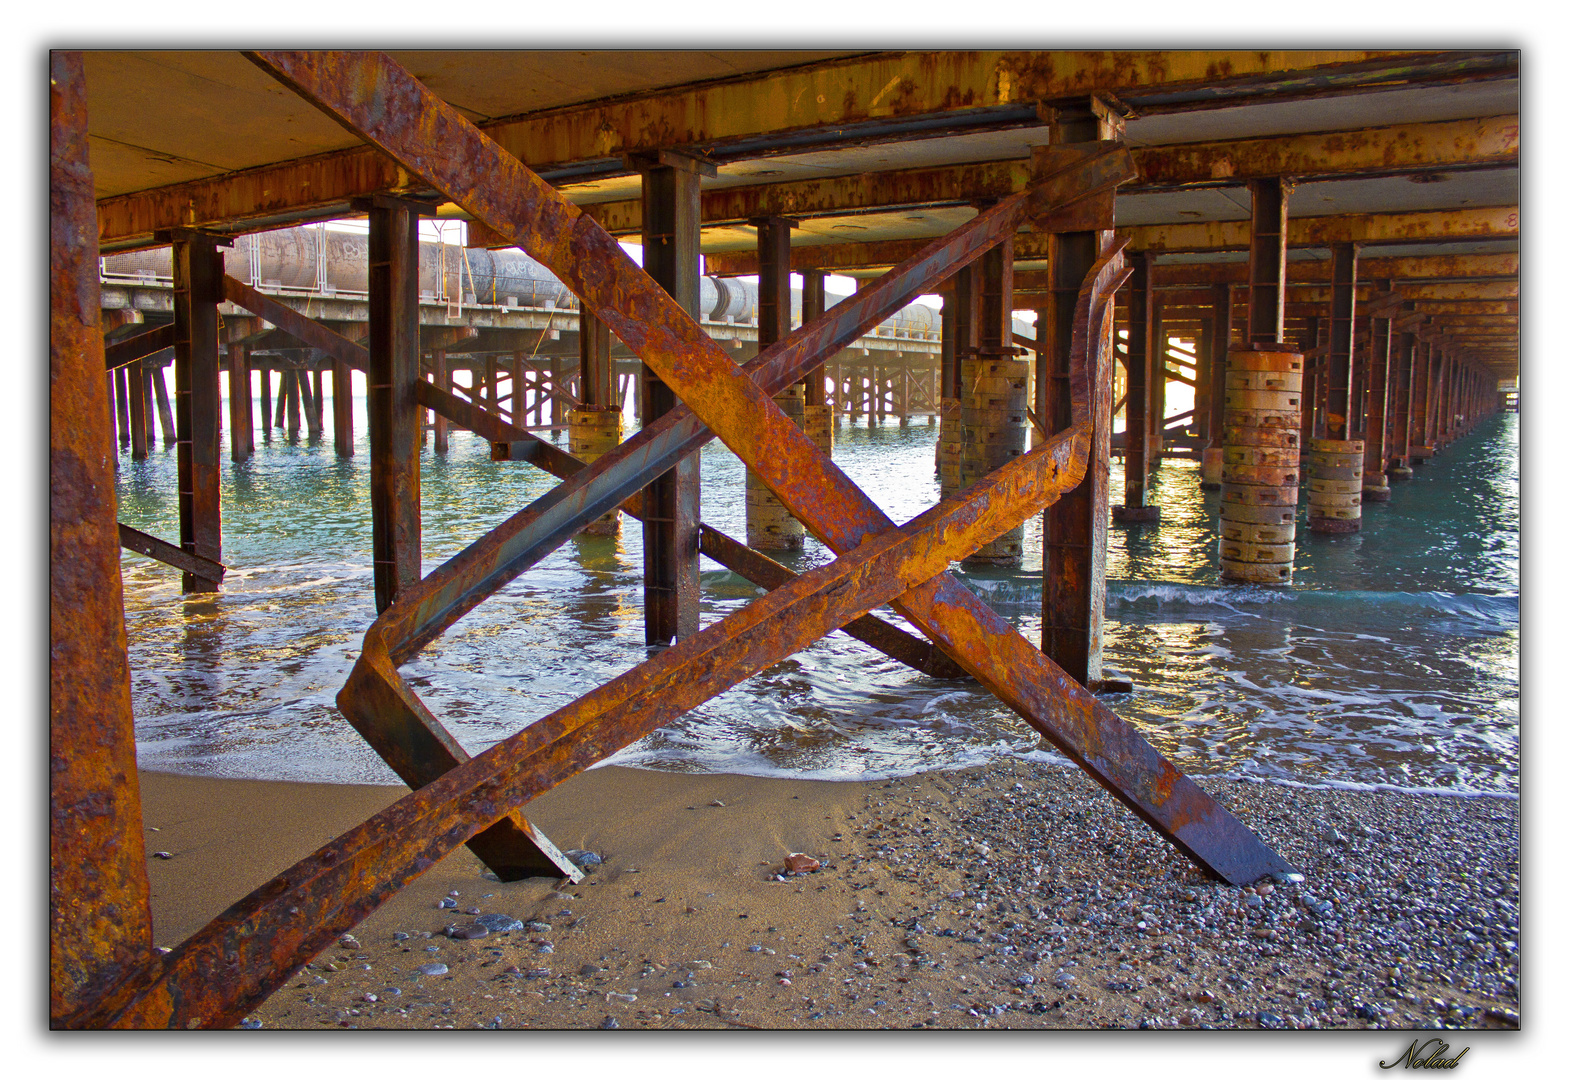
x,y
1299,266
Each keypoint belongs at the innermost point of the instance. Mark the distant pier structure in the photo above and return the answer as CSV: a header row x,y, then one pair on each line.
x,y
1300,267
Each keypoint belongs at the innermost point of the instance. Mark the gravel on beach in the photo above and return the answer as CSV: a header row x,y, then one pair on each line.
x,y
1015,895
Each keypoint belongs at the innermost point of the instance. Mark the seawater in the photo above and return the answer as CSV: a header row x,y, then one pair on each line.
x,y
1391,661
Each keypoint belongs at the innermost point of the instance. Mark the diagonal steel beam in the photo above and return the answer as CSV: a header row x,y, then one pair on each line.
x,y
524,445
125,353
234,962
376,98
170,554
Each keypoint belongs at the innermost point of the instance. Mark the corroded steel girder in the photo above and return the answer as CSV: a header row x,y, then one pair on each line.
x,y
1479,223
379,100
835,102
100,928
518,444
233,963
125,353
1386,151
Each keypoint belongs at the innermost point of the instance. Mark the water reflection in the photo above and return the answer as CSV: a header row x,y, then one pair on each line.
x,y
1391,660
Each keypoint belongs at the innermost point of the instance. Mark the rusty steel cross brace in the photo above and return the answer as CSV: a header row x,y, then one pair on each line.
x,y
375,98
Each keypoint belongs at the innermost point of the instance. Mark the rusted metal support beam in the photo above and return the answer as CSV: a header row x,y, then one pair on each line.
x,y
1438,226
100,925
198,287
388,106
122,407
1267,260
440,375
671,504
1074,533
1399,452
770,527
310,403
597,375
1343,314
258,941
242,443
137,393
1377,397
393,416
835,102
1222,310
1139,363
129,351
171,555
343,408
814,299
1388,151
289,403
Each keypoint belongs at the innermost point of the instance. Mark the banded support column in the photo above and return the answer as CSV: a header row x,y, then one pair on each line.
x,y
671,219
1141,360
771,527
1333,507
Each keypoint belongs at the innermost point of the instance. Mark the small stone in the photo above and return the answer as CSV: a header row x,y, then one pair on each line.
x,y
535,926
163,855
498,923
546,947
590,969
625,999
446,902
471,911
437,968
716,802
797,863
609,1024
1025,980
390,991
399,935
1270,1021
367,997
1063,980
584,858
349,941
469,933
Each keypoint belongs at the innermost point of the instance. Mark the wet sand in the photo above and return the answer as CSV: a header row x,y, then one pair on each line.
x,y
1017,895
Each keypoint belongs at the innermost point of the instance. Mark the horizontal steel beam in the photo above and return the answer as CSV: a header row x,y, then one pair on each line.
x,y
850,101
1032,247
1450,144
1481,223
229,966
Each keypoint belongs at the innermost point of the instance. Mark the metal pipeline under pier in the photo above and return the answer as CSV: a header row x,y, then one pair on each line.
x,y
329,262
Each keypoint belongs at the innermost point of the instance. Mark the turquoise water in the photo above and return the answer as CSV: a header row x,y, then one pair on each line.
x,y
1391,661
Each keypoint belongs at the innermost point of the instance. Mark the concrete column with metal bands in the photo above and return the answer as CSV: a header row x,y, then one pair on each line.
x,y
1260,467
994,394
592,431
1335,485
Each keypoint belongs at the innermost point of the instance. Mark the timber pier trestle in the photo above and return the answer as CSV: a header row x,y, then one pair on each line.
x,y
104,972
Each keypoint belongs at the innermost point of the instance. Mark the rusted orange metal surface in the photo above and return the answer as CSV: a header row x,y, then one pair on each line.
x,y
233,963
518,444
229,966
125,353
375,97
100,928
1392,150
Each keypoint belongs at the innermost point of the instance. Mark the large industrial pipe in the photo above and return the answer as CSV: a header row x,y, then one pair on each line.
x,y
327,260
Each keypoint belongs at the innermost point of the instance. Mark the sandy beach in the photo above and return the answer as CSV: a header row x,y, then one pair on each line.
x,y
1018,895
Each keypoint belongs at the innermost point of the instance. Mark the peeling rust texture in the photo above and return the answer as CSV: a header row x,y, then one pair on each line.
x,y
100,929
1481,223
1494,140
125,353
239,958
837,102
376,98
233,963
